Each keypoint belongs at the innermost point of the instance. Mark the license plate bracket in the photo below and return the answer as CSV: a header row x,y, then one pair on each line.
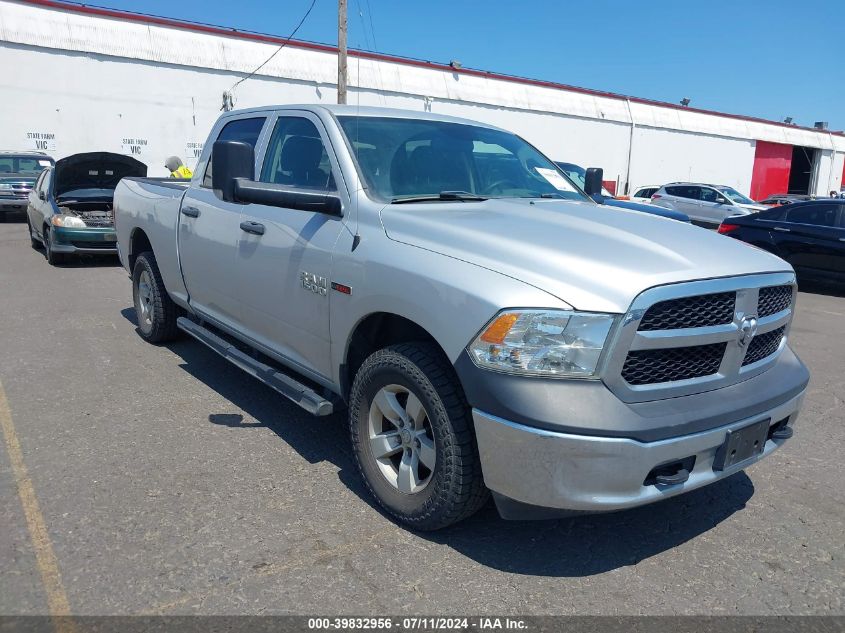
x,y
742,444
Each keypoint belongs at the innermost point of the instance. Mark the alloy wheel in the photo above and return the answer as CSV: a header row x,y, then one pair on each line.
x,y
401,439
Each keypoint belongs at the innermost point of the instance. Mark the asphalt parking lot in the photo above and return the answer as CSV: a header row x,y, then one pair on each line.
x,y
170,482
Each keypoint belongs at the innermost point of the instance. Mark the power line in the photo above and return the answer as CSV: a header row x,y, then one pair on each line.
x,y
281,46
372,30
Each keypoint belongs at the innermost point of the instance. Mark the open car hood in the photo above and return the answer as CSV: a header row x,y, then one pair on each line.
x,y
94,170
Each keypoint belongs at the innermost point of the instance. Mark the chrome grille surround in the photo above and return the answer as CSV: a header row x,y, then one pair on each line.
x,y
19,191
628,338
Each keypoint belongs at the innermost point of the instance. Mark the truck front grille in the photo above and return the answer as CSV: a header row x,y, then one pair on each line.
x,y
646,367
773,299
763,345
690,337
700,311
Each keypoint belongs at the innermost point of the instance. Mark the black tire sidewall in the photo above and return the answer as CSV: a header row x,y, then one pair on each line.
x,y
439,504
53,258
404,504
141,265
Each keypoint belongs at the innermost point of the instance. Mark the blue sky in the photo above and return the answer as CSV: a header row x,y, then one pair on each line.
x,y
766,58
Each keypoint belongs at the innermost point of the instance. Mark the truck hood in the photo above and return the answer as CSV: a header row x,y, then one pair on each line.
x,y
645,208
592,257
94,170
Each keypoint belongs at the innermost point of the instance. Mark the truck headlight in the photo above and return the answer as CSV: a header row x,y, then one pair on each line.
x,y
543,342
5,186
67,221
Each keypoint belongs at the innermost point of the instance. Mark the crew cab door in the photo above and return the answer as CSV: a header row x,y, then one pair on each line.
x,y
209,231
284,256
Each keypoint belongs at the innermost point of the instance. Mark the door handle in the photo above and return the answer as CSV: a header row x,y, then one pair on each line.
x,y
842,239
253,227
782,229
191,212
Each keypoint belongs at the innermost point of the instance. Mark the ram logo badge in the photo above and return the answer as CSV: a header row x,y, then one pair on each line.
x,y
316,284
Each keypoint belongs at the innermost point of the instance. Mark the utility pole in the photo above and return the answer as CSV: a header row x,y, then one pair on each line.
x,y
341,51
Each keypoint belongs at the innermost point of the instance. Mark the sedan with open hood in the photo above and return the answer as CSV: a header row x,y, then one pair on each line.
x,y
70,209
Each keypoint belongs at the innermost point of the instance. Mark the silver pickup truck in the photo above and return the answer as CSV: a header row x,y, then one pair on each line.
x,y
487,326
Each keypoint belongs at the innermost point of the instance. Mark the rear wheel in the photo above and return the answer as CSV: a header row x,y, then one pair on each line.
x,y
154,308
412,437
53,258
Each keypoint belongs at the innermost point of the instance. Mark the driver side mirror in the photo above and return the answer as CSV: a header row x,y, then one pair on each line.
x,y
230,160
593,180
721,200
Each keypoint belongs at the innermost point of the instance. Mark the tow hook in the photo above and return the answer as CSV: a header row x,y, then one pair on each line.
x,y
671,480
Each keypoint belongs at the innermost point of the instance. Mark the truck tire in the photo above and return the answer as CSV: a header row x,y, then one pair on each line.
x,y
154,309
413,439
53,258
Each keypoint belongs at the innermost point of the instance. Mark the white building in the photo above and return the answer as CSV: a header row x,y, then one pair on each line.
x,y
78,78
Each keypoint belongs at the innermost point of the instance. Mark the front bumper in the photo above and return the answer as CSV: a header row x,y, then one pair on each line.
x,y
10,205
90,241
598,474
573,445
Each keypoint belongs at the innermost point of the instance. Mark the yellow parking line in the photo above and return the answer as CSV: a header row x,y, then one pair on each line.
x,y
45,557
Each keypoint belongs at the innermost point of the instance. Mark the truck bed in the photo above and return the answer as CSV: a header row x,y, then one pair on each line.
x,y
151,206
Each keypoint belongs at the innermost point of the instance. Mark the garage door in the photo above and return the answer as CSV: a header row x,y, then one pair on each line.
x,y
772,162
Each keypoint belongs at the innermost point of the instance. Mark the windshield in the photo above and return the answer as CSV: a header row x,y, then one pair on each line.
x,y
735,195
579,175
23,164
412,158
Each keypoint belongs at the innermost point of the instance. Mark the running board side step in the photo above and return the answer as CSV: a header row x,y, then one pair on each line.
x,y
292,389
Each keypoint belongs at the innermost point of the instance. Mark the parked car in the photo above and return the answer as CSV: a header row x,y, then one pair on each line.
x,y
487,325
778,199
602,196
809,235
70,208
18,171
644,194
706,205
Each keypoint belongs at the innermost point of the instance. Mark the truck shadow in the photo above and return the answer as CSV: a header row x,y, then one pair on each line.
x,y
572,547
593,544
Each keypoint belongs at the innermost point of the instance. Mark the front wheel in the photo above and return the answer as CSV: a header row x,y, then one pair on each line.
x,y
33,241
412,437
53,258
154,309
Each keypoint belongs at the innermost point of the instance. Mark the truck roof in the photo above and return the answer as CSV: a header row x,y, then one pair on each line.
x,y
370,111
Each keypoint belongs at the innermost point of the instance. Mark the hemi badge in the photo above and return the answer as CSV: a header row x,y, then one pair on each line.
x,y
341,288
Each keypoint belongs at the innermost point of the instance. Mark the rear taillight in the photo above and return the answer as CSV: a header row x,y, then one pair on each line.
x,y
656,196
727,228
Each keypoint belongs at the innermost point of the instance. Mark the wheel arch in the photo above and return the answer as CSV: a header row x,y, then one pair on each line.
x,y
376,331
139,242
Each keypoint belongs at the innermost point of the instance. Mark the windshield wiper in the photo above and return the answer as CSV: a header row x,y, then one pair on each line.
x,y
462,196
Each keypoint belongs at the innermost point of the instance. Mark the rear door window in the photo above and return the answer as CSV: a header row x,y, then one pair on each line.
x,y
297,157
645,193
246,130
775,215
684,191
814,214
